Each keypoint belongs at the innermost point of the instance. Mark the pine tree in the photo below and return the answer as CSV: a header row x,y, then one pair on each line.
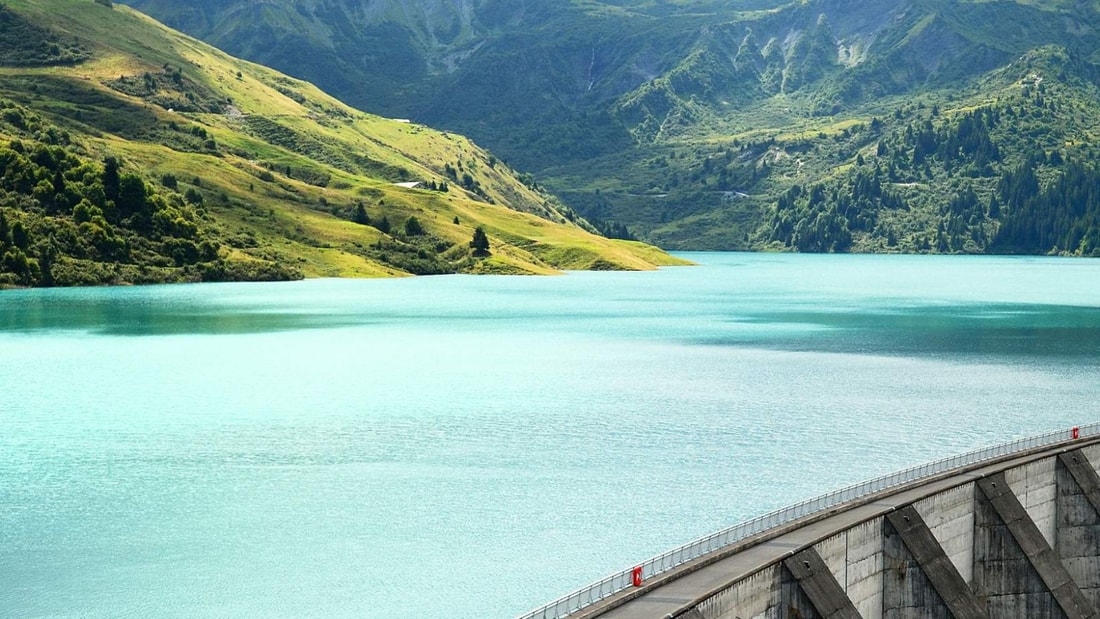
x,y
480,242
111,179
360,216
413,227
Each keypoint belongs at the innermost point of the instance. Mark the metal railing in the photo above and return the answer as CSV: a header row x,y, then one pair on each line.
x,y
623,580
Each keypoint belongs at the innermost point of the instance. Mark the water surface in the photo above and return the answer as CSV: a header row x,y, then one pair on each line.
x,y
475,446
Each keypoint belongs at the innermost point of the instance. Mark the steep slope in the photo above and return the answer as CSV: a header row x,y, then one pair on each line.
x,y
367,52
133,153
525,72
677,119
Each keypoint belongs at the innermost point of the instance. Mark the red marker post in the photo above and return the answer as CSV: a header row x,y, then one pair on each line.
x,y
1076,433
636,576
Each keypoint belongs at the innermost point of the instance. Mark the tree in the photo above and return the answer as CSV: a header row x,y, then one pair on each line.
x,y
131,195
47,255
413,227
480,242
58,184
994,207
111,178
25,269
19,236
384,225
360,216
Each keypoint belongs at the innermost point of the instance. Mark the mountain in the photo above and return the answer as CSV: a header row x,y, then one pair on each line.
x,y
130,153
689,122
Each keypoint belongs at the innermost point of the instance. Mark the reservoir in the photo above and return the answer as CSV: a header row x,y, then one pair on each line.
x,y
472,447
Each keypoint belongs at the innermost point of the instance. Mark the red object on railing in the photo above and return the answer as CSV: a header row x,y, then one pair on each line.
x,y
1076,433
636,576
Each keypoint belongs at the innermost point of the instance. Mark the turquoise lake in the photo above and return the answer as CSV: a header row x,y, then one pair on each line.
x,y
472,447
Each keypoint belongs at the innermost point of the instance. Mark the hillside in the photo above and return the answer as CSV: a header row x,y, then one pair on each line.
x,y
130,153
691,123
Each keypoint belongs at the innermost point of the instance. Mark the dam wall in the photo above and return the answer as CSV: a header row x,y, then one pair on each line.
x,y
1012,531
1016,541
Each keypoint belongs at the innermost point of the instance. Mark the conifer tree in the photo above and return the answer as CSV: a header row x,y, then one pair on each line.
x,y
360,216
480,242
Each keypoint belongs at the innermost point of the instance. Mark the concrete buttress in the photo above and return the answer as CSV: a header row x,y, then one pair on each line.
x,y
933,570
819,584
1078,530
1015,569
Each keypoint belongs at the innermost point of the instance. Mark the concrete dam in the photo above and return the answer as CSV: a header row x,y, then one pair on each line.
x,y
1011,531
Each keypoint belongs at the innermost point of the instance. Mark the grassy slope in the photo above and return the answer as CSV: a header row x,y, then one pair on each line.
x,y
286,219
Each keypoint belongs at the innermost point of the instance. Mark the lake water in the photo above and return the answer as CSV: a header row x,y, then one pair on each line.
x,y
471,447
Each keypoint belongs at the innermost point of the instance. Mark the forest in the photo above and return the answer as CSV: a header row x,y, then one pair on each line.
x,y
943,184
